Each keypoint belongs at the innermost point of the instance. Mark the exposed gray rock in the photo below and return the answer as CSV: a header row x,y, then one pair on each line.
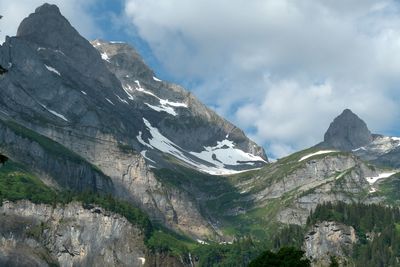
x,y
348,186
40,235
390,159
311,174
59,85
135,182
56,165
329,239
347,132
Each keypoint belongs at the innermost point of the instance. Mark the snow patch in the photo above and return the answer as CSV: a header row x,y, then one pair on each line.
x,y
138,83
127,90
105,57
122,100
49,68
170,103
202,242
224,153
54,50
109,101
140,139
381,145
321,152
162,108
96,44
142,260
156,79
143,153
165,104
358,149
372,180
55,113
83,92
163,144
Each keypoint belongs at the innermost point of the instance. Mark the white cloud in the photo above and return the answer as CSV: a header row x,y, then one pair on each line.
x,y
284,68
76,11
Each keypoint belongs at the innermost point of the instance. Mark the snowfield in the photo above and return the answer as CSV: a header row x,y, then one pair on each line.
x,y
218,157
321,152
372,180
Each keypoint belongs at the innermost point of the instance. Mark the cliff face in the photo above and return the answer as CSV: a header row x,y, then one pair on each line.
x,y
41,235
298,183
347,183
56,165
134,181
328,239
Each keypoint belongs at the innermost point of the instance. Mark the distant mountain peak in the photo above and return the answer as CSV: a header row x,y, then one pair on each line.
x,y
48,8
347,132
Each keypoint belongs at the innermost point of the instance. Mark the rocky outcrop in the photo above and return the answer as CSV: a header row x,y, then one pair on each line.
x,y
42,235
55,164
328,239
307,175
347,132
134,181
295,185
349,185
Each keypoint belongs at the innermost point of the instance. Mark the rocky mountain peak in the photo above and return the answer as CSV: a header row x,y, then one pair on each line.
x,y
46,26
347,132
48,8
124,59
49,35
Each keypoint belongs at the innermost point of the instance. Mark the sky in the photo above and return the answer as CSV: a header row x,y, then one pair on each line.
x,y
279,69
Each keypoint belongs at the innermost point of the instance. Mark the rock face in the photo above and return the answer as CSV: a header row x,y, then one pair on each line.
x,y
40,235
300,185
57,76
101,102
56,165
329,239
346,185
170,111
347,132
350,133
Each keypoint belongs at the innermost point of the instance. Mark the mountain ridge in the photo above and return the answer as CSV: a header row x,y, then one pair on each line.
x,y
97,120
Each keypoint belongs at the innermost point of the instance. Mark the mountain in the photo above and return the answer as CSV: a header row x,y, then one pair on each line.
x,y
347,132
102,103
104,164
277,201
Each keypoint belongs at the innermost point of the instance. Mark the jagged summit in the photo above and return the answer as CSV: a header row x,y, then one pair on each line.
x,y
127,61
347,132
106,88
52,36
48,8
45,24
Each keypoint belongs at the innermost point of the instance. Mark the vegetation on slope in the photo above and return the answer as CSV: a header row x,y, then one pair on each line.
x,y
285,257
17,183
377,227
